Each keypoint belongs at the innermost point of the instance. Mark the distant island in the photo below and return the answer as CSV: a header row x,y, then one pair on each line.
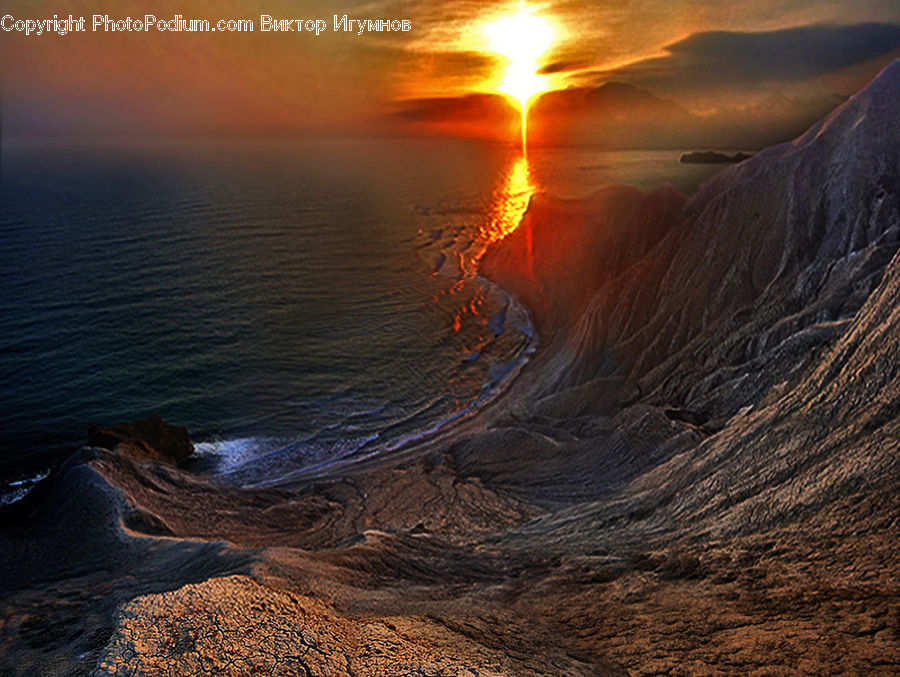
x,y
707,157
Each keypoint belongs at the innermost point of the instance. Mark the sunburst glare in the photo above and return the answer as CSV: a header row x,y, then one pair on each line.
x,y
522,39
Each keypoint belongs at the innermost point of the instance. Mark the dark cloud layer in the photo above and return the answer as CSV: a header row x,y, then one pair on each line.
x,y
564,66
743,59
435,109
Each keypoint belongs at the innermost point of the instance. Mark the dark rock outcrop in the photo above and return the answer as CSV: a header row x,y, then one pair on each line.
x,y
713,157
150,438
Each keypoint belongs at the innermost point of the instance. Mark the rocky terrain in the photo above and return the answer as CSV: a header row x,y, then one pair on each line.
x,y
698,474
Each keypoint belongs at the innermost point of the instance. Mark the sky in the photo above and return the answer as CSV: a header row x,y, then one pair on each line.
x,y
710,56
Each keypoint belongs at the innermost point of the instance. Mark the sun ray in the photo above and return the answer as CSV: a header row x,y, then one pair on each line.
x,y
522,39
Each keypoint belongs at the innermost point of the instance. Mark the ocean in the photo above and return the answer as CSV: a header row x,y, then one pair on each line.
x,y
290,302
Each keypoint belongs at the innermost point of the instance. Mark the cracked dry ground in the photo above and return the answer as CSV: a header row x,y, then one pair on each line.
x,y
728,612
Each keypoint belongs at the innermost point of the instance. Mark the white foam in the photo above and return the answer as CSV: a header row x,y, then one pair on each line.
x,y
16,491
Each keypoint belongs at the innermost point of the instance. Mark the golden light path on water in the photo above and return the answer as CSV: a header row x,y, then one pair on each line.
x,y
522,39
510,201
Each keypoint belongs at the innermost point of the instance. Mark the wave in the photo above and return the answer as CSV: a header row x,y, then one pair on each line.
x,y
364,433
18,489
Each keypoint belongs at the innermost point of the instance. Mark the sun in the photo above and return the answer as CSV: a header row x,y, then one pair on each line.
x,y
522,39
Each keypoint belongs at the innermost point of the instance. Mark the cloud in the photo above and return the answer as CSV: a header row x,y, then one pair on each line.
x,y
453,107
564,66
458,65
739,60
487,116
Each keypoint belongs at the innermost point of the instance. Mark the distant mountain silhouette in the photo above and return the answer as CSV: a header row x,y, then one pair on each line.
x,y
613,116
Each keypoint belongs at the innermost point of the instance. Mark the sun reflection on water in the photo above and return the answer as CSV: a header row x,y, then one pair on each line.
x,y
507,207
510,201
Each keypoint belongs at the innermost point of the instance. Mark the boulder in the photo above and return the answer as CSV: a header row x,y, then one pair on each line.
x,y
150,438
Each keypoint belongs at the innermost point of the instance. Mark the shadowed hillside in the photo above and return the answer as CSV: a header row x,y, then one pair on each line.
x,y
769,260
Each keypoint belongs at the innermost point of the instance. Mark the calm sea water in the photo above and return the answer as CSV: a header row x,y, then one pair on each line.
x,y
290,303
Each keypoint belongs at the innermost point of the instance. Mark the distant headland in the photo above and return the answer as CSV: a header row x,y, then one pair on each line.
x,y
708,157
